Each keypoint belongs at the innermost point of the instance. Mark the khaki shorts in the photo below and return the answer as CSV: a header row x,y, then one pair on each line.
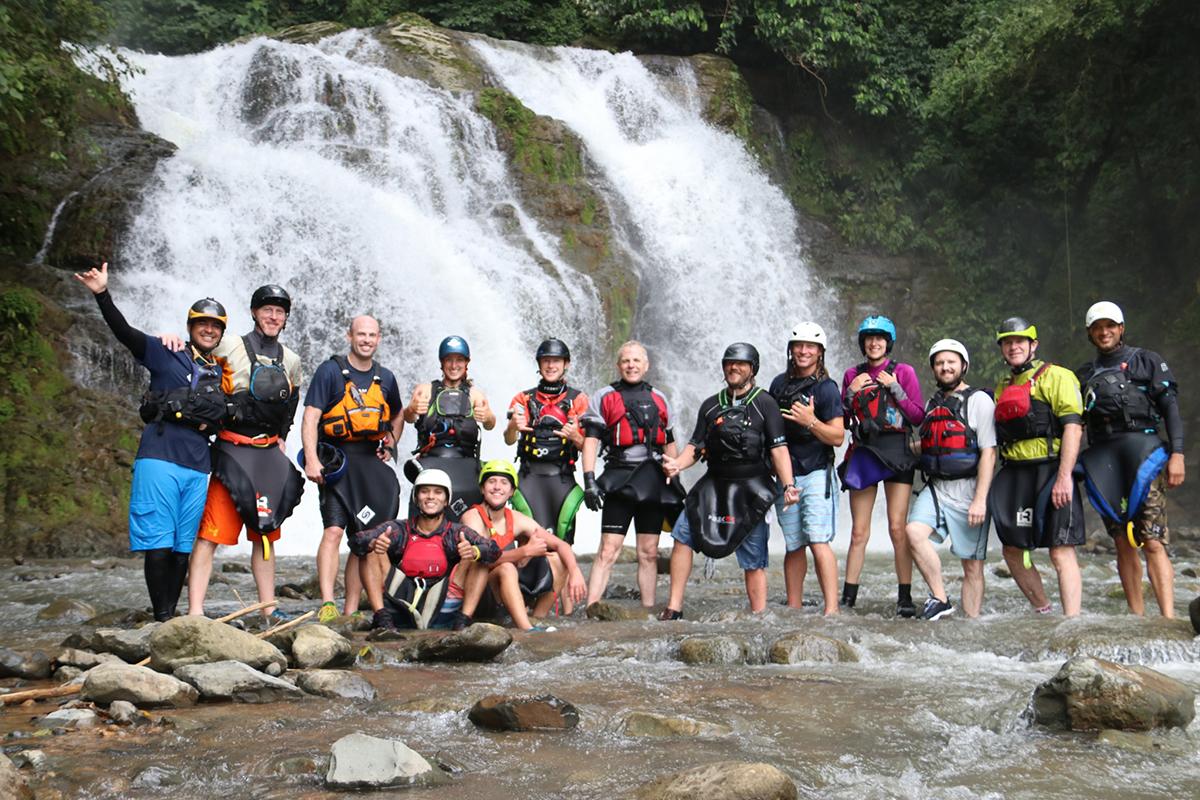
x,y
1150,522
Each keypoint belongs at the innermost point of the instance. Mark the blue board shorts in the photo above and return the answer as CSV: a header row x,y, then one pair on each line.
x,y
165,505
812,520
965,541
751,553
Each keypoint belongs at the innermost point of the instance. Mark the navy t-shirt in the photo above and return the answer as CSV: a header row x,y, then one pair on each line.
x,y
826,399
175,443
328,386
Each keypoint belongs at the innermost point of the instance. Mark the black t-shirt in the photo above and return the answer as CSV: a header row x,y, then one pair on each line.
x,y
328,386
1144,368
763,418
810,453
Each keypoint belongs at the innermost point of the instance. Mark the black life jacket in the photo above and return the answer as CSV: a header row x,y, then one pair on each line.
x,y
949,445
1112,403
265,407
358,415
874,409
547,414
633,415
200,406
795,390
1020,416
448,423
734,448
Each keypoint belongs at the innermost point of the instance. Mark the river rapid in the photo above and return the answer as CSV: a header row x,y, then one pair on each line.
x,y
931,710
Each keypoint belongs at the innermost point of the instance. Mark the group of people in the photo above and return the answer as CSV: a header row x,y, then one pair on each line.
x,y
480,538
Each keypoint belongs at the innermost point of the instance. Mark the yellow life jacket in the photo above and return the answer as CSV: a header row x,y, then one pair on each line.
x,y
358,415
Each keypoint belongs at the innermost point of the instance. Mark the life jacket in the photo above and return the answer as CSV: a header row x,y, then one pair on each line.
x,y
200,406
547,414
1112,403
1020,416
635,415
795,390
358,415
425,556
874,410
264,407
449,422
949,445
733,447
506,540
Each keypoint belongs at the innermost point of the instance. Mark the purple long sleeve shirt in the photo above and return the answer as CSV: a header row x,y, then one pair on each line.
x,y
912,405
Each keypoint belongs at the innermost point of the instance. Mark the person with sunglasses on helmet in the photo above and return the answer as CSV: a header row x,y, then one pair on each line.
x,y
182,409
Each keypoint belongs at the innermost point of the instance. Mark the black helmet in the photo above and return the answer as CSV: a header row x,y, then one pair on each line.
x,y
1016,326
740,351
271,295
207,309
554,348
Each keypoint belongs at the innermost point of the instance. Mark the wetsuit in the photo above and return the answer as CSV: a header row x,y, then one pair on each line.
x,y
448,432
812,520
1127,394
881,420
368,491
547,478
170,472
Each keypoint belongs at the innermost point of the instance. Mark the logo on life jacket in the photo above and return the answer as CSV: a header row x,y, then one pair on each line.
x,y
263,503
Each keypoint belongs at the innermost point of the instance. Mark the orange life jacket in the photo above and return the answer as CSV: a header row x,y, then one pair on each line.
x,y
358,415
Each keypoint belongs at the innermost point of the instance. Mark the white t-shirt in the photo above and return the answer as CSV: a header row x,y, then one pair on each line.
x,y
960,493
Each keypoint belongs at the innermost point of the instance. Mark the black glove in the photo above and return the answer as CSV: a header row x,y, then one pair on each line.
x,y
592,496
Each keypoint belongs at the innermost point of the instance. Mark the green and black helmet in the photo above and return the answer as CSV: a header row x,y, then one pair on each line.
x,y
1016,326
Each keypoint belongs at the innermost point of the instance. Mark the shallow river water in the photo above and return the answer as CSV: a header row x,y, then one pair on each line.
x,y
931,710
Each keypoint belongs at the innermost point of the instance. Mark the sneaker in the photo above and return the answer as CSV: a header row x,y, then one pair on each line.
x,y
461,622
936,609
328,612
669,614
277,617
906,609
383,619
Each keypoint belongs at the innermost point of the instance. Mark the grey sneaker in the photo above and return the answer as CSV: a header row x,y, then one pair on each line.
x,y
936,609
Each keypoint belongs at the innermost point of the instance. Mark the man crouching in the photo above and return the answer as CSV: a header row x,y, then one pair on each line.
x,y
533,564
423,550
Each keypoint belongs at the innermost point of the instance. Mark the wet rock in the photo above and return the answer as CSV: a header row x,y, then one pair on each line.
x,y
450,764
67,674
628,555
317,647
200,640
27,664
84,659
67,609
78,641
157,776
504,713
1144,743
1118,592
336,684
290,591
236,568
724,780
70,718
1194,614
37,760
125,713
612,612
348,625
1091,693
359,761
128,645
798,647
233,680
1001,571
12,783
141,686
294,765
1190,572
714,650
416,705
180,723
121,616
385,635
480,642
646,724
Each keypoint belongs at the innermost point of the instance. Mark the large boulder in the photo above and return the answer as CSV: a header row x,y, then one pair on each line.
x,y
336,683
317,647
798,647
480,642
67,610
12,783
501,713
200,640
724,780
27,664
129,645
1091,693
645,724
138,685
234,680
714,650
359,761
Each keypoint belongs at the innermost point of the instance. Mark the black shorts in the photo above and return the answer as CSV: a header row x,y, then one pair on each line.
x,y
333,513
618,512
905,477
545,495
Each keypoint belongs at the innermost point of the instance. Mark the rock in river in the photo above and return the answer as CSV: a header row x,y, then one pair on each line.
x,y
67,609
234,680
644,723
1091,693
501,713
129,645
480,642
200,640
336,683
138,685
714,650
724,780
359,761
317,647
797,647
28,664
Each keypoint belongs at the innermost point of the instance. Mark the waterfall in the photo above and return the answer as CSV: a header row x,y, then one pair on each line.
x,y
315,167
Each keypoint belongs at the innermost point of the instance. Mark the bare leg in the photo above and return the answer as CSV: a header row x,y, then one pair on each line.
x,y
328,564
545,604
200,573
926,557
897,496
264,575
354,583
1070,582
1029,581
795,567
370,572
862,502
606,556
1162,577
972,589
474,579
504,582
1129,567
647,569
756,588
825,563
681,569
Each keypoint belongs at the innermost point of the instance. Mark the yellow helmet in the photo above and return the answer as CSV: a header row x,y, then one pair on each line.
x,y
498,467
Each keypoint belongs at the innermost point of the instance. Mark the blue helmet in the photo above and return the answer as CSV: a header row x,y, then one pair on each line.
x,y
878,326
454,344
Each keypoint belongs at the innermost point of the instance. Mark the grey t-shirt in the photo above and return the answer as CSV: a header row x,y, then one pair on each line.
x,y
960,493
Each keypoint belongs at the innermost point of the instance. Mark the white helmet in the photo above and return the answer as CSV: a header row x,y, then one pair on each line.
x,y
808,332
954,346
434,477
1104,310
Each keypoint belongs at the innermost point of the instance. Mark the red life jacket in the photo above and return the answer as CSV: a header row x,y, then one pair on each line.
x,y
506,540
1019,416
870,406
425,556
949,445
634,415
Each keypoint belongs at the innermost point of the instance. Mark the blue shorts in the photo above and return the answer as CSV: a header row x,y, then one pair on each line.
x,y
965,541
751,553
165,504
812,520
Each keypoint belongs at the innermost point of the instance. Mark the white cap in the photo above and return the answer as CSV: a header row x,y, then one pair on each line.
x,y
954,346
808,332
1104,310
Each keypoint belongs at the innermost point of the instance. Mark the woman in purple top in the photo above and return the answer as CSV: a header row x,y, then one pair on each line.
x,y
883,404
